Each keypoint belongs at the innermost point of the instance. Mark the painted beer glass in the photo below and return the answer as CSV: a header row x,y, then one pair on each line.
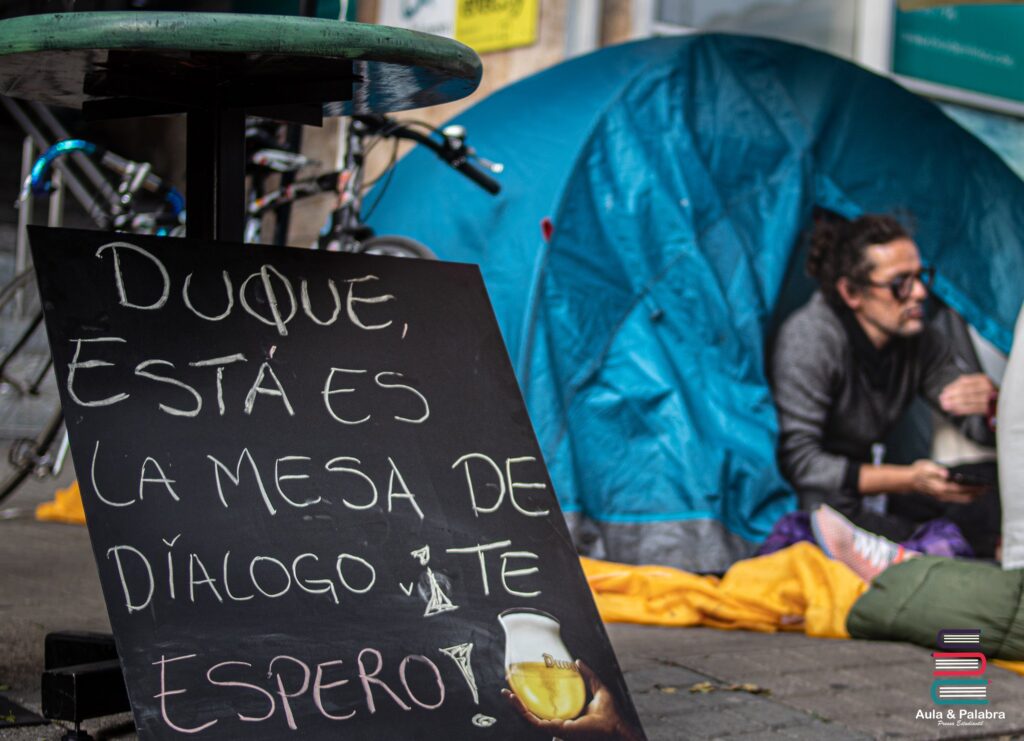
x,y
540,669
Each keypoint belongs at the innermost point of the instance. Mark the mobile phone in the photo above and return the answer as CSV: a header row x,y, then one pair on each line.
x,y
985,473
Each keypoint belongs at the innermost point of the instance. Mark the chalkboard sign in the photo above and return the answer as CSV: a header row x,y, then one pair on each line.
x,y
315,498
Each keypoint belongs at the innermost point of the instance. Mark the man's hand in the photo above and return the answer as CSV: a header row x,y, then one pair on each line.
x,y
600,721
969,394
931,479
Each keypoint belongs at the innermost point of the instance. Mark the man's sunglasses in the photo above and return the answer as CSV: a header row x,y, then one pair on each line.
x,y
902,285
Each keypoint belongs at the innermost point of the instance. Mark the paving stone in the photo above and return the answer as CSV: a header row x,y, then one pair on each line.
x,y
727,667
824,731
659,675
763,735
714,724
814,731
776,715
782,685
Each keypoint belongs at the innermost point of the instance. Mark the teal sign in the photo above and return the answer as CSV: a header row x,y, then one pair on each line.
x,y
977,48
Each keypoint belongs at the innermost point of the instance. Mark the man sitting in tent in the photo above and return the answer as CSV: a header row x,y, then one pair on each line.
x,y
844,370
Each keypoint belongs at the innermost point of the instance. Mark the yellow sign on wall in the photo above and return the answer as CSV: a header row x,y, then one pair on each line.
x,y
491,25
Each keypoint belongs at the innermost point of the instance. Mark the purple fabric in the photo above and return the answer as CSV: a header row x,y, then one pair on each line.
x,y
938,537
788,530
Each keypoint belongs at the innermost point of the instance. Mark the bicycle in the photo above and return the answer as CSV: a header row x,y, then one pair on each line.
x,y
28,455
345,229
112,203
116,205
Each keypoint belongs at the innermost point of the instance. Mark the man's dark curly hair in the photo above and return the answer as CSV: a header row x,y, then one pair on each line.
x,y
838,248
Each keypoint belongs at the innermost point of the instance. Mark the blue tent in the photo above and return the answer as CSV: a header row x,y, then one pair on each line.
x,y
679,174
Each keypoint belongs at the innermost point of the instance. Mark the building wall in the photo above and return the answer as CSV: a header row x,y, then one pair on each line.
x,y
617,22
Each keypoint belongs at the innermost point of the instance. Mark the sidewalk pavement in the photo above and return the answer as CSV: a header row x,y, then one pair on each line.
x,y
783,686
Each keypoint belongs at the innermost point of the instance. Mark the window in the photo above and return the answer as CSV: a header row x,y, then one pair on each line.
x,y
821,24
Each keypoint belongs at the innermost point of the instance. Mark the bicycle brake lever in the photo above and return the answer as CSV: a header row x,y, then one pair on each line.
x,y
496,167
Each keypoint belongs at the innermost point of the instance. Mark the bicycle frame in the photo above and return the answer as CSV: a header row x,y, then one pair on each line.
x,y
347,230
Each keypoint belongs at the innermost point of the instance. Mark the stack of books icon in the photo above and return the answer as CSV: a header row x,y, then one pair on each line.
x,y
959,669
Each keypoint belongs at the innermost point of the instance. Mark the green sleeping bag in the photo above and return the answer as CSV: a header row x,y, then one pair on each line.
x,y
914,600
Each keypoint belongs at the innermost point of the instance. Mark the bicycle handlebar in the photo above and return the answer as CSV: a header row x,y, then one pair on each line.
x,y
452,151
152,183
40,184
477,175
39,180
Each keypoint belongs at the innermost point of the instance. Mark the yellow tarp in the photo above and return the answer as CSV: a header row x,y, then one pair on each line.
x,y
798,588
65,507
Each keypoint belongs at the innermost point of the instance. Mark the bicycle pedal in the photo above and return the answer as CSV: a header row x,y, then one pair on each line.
x,y
11,383
22,453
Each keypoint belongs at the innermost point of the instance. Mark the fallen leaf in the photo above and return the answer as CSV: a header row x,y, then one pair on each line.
x,y
754,689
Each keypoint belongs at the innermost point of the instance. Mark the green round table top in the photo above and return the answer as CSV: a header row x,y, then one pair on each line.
x,y
57,59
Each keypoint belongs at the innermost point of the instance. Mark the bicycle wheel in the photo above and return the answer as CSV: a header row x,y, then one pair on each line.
x,y
29,455
24,356
30,417
393,246
19,282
